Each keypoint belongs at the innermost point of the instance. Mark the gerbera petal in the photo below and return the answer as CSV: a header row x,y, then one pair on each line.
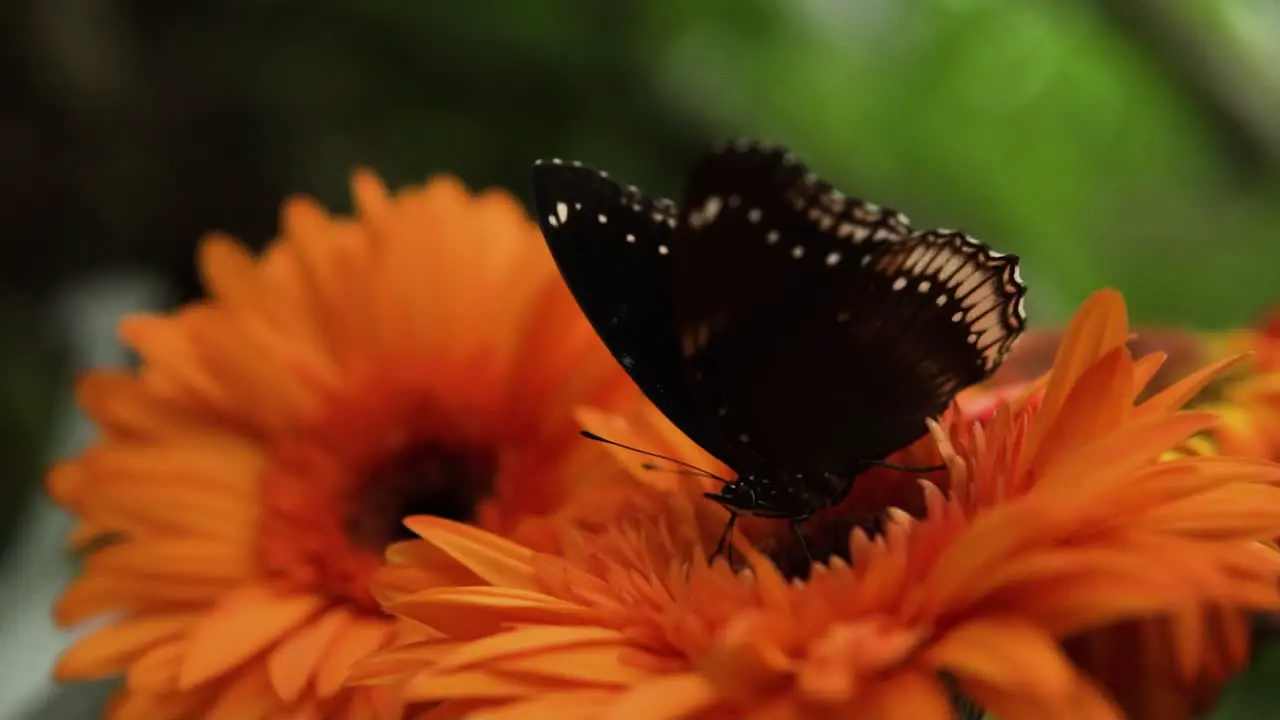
x,y
748,656
292,664
1068,591
430,686
1237,511
486,609
229,273
107,650
907,696
194,560
247,697
1006,653
351,644
675,696
770,583
1086,703
588,664
122,402
1093,465
1145,369
451,709
493,558
92,595
390,666
168,706
241,625
527,640
254,364
427,564
1099,326
374,705
164,506
1097,402
1180,393
157,670
569,705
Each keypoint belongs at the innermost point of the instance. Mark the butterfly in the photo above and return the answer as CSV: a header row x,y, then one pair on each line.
x,y
798,335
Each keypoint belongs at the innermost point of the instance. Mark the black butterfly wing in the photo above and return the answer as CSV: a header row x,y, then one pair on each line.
x,y
614,248
819,329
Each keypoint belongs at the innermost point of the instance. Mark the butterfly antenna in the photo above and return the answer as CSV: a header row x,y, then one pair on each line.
x,y
694,468
655,467
906,468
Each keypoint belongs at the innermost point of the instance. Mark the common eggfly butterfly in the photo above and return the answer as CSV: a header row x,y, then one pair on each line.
x,y
794,333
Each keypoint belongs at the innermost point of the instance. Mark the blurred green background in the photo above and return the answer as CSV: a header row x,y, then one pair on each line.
x,y
1133,143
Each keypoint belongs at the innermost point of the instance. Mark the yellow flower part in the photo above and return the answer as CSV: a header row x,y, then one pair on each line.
x,y
1249,400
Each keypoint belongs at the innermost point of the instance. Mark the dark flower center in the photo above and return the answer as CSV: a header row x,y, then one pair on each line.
x,y
425,479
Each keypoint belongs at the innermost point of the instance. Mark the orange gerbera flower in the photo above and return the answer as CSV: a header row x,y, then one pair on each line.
x,y
1066,513
422,357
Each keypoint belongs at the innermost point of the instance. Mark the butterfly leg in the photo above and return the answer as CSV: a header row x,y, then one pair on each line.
x,y
723,544
796,522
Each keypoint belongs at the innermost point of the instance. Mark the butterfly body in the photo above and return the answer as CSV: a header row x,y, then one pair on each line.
x,y
796,334
785,498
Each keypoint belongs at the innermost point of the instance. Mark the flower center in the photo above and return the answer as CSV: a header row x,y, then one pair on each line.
x,y
328,516
424,479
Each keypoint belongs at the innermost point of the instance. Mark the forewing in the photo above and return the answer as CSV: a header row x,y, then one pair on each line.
x,y
614,247
821,330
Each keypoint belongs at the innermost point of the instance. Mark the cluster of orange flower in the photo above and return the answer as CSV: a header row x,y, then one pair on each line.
x,y
350,484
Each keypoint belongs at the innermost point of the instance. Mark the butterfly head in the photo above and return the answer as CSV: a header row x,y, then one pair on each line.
x,y
791,497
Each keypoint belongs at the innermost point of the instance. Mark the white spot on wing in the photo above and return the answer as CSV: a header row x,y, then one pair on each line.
x,y
797,252
562,210
832,259
707,213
